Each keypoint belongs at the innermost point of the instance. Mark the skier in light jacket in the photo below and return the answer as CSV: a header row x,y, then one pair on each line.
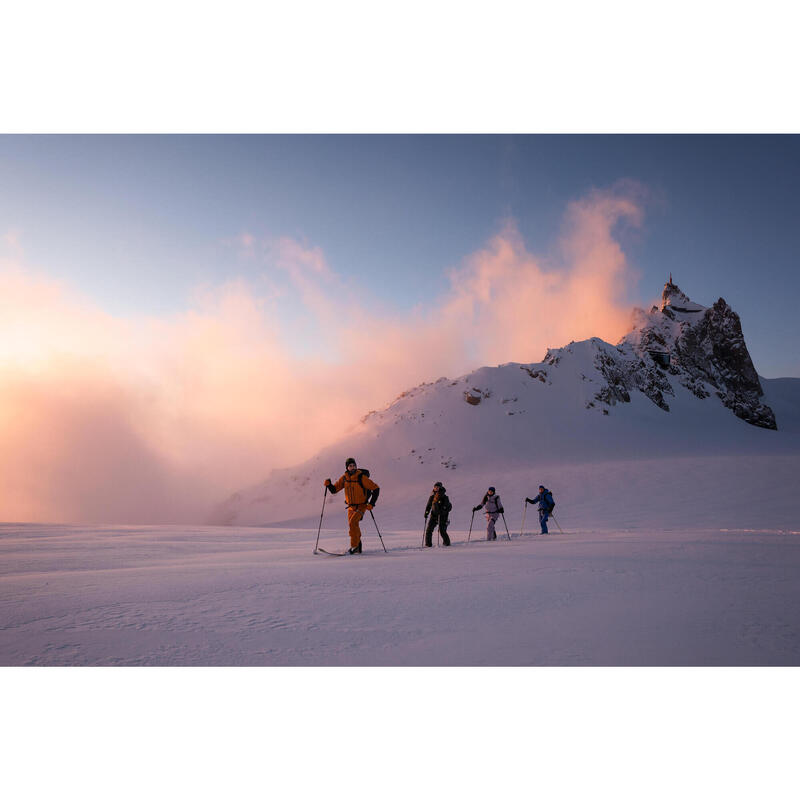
x,y
546,506
494,508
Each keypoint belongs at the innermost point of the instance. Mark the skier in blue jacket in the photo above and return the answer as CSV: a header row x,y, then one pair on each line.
x,y
546,506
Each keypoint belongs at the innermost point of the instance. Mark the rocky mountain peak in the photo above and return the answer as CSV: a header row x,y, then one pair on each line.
x,y
673,299
703,349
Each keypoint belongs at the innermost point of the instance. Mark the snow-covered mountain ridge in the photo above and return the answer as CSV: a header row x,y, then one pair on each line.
x,y
680,385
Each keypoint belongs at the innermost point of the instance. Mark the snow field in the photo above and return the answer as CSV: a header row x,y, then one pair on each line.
x,y
247,596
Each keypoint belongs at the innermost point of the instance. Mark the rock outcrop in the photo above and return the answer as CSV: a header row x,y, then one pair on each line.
x,y
702,348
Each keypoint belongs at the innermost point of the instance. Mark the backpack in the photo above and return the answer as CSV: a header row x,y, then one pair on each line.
x,y
370,494
552,503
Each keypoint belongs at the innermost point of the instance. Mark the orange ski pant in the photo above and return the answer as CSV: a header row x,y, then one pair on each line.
x,y
354,515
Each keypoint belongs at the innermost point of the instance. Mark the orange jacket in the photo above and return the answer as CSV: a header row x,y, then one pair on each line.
x,y
355,492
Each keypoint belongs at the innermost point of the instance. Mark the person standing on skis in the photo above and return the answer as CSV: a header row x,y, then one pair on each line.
x,y
494,508
360,496
439,508
546,506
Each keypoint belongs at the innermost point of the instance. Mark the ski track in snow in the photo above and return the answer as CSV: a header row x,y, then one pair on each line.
x,y
253,596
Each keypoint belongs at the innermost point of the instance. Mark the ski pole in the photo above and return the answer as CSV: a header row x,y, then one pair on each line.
x,y
378,529
504,523
556,521
324,498
470,526
524,510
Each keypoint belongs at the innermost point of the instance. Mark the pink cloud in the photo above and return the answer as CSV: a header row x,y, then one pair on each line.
x,y
153,420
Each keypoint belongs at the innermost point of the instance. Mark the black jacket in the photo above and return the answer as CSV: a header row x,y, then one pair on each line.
x,y
439,505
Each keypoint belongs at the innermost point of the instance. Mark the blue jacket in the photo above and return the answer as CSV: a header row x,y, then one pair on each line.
x,y
545,501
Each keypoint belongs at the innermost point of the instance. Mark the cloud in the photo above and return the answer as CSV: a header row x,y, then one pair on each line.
x,y
106,419
520,304
506,304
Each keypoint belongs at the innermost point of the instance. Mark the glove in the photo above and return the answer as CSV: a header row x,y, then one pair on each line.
x,y
477,508
370,506
426,515
528,500
501,510
327,481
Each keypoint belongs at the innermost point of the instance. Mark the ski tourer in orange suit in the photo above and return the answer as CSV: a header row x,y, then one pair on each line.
x,y
360,496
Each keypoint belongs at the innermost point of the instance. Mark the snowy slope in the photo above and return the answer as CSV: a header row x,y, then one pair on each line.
x,y
622,440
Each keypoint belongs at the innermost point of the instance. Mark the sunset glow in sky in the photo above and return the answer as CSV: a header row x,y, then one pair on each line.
x,y
178,315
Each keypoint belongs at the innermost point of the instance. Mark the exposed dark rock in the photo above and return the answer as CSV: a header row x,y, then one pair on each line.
x,y
551,358
472,399
627,373
703,348
714,351
538,374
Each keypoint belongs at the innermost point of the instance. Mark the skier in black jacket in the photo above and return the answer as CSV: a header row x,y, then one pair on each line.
x,y
438,507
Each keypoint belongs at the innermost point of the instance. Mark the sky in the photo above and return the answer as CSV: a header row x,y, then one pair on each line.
x,y
181,314
136,223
